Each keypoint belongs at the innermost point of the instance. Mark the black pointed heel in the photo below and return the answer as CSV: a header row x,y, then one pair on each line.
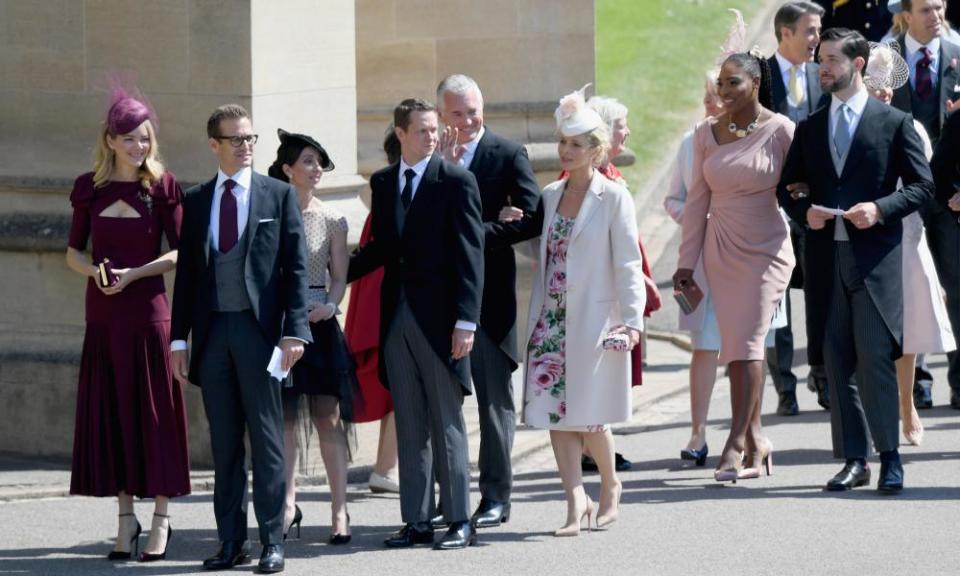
x,y
147,556
134,543
698,456
297,519
340,539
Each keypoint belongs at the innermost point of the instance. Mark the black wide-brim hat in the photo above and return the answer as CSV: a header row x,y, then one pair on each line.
x,y
326,162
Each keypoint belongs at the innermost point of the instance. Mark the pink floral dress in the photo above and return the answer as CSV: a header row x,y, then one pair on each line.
x,y
545,399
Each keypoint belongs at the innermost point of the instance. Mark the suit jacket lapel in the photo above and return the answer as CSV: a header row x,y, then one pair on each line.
x,y
479,155
203,223
550,200
387,198
590,203
814,93
256,205
947,75
428,184
859,135
779,90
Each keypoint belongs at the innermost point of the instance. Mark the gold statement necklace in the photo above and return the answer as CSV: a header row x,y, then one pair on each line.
x,y
743,132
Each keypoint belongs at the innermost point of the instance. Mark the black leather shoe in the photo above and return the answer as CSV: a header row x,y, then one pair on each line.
x,y
460,535
232,553
788,404
955,399
922,398
621,464
491,514
271,560
891,474
855,473
587,464
410,534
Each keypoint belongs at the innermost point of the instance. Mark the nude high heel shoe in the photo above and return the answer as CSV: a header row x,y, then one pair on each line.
x,y
604,520
574,529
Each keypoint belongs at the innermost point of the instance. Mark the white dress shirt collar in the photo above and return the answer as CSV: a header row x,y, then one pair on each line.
x,y
242,178
470,148
913,46
419,168
855,103
786,65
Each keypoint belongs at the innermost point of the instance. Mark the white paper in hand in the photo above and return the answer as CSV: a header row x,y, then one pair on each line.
x,y
831,211
276,362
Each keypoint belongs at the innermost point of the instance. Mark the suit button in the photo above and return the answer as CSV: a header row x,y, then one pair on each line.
x,y
866,25
402,260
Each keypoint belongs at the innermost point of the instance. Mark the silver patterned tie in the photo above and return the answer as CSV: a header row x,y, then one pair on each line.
x,y
841,138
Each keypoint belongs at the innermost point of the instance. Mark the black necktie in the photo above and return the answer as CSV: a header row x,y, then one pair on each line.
x,y
406,196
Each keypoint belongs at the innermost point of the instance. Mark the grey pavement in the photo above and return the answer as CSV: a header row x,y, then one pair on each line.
x,y
674,519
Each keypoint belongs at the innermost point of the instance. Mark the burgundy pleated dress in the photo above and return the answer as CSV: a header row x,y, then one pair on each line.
x,y
131,430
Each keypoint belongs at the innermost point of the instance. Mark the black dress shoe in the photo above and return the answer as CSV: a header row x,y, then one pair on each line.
x,y
232,553
491,514
410,534
788,404
460,535
621,464
955,399
271,560
891,474
855,473
922,398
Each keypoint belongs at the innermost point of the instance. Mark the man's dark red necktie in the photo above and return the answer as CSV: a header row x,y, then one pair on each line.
x,y
228,217
924,83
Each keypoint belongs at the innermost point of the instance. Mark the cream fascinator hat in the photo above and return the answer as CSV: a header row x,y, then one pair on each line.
x,y
574,117
885,68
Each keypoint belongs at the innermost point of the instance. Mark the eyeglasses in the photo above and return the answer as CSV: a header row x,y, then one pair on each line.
x,y
238,141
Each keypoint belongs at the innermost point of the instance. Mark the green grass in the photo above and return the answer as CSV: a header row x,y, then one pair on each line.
x,y
651,55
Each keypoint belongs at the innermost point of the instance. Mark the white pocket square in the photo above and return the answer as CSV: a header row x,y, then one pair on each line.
x,y
264,220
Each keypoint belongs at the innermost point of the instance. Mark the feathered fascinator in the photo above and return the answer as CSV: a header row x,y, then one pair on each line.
x,y
736,41
885,68
574,117
128,109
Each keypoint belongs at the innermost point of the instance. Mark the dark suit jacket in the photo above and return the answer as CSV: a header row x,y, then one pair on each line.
x,y
885,147
437,260
945,163
869,17
815,96
948,76
503,171
275,268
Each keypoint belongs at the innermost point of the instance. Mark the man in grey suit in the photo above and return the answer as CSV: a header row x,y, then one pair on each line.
x,y
795,83
428,236
505,178
853,257
240,291
929,96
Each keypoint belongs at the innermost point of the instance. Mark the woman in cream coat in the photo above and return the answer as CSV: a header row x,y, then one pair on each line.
x,y
589,285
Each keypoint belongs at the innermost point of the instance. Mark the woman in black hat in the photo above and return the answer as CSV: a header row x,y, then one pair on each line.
x,y
325,377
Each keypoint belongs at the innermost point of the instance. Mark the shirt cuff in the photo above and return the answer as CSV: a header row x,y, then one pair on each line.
x,y
178,345
293,338
468,326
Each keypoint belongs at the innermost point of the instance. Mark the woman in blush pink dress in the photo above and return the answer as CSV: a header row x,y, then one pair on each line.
x,y
745,243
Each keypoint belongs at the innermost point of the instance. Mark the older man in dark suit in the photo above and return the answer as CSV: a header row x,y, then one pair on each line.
x,y
428,236
796,90
853,257
505,178
240,291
